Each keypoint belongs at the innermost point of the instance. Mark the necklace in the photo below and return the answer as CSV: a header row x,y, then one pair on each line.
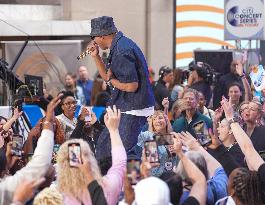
x,y
230,146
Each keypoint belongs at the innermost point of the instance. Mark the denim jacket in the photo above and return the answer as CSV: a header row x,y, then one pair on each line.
x,y
128,65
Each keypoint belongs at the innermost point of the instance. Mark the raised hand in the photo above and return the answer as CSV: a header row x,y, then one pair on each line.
x,y
218,114
215,141
227,107
189,141
51,106
165,103
177,144
84,112
112,118
16,114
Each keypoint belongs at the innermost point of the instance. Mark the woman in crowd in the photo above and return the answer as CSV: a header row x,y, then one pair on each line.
x,y
176,86
158,125
251,114
6,130
245,187
225,134
99,95
70,85
67,118
72,182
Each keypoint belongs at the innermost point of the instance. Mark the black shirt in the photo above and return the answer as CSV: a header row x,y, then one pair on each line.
x,y
237,154
161,92
258,138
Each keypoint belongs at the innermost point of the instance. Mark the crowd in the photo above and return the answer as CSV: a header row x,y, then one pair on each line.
x,y
192,150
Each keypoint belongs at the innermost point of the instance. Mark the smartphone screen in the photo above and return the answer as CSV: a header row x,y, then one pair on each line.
x,y
166,139
151,151
17,145
133,171
201,130
74,154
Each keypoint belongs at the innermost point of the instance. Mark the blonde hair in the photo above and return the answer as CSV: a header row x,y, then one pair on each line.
x,y
48,196
70,179
152,117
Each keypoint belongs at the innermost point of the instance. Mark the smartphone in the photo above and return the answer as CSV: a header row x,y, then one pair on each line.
x,y
17,145
56,148
54,154
166,139
88,118
262,154
201,130
151,151
74,154
133,171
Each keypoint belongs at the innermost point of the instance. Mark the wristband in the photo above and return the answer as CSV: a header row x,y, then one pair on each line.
x,y
242,76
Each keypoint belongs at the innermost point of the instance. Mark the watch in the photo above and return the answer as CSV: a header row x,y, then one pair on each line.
x,y
232,120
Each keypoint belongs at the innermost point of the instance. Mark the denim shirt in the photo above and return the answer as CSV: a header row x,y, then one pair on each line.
x,y
164,158
216,187
128,65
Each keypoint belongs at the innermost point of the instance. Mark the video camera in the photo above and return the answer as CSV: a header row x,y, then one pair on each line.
x,y
205,71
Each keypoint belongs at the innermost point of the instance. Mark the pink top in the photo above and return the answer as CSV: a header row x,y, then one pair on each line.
x,y
113,181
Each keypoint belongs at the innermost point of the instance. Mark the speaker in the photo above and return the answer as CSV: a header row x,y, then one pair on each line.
x,y
219,60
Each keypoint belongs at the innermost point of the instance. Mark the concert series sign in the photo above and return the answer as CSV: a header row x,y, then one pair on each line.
x,y
244,20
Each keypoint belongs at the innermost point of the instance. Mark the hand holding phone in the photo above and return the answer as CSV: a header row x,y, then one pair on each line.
x,y
74,154
133,171
151,151
202,134
17,145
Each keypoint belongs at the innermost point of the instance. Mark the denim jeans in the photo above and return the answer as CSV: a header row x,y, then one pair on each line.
x,y
130,127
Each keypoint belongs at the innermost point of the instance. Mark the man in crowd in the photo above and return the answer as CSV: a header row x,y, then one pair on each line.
x,y
126,73
85,83
191,114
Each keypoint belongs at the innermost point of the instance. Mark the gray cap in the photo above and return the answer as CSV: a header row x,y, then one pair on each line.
x,y
102,26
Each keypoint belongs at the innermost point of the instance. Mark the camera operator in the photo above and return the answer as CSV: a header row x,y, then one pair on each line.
x,y
198,81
